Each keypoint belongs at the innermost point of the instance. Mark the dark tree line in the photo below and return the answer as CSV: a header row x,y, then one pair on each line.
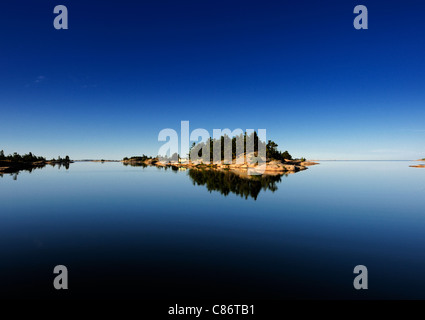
x,y
62,160
138,158
227,147
236,146
29,158
273,153
15,157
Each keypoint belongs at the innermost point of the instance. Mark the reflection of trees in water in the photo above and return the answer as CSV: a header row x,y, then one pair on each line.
x,y
60,165
143,165
228,182
135,164
13,172
224,181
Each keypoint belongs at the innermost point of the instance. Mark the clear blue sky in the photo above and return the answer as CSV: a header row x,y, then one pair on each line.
x,y
124,70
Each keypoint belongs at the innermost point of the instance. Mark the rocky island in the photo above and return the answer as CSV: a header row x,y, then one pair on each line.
x,y
276,162
273,167
419,165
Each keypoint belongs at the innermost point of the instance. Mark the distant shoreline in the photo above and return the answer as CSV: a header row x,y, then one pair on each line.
x,y
96,160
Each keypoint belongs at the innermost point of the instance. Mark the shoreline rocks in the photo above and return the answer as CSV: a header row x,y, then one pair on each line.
x,y
273,167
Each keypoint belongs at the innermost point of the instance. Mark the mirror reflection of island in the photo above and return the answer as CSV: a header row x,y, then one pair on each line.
x,y
239,183
225,181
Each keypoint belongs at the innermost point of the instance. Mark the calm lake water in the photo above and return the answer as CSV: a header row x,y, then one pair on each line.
x,y
127,231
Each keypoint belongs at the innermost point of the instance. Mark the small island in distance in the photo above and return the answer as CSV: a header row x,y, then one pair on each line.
x,y
419,165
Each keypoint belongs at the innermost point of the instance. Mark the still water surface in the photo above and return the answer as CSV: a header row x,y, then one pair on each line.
x,y
127,231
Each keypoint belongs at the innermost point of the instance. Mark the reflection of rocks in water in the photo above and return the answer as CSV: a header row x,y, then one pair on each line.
x,y
230,182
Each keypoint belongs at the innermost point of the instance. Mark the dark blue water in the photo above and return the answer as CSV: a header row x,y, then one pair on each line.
x,y
127,231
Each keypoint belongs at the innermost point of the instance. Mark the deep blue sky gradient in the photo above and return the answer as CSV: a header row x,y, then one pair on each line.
x,y
125,69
